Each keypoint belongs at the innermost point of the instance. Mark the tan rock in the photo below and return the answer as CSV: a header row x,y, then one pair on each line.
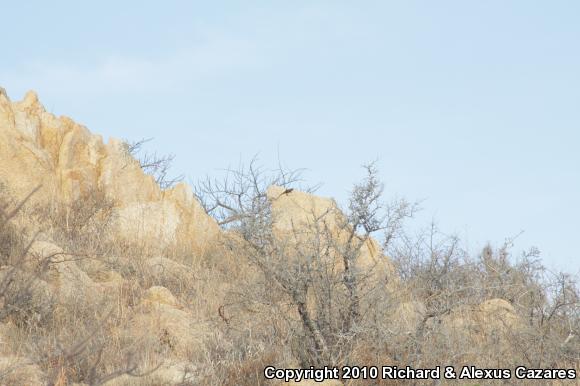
x,y
487,328
112,284
69,282
299,215
159,295
37,148
407,317
497,307
170,273
300,209
27,296
165,327
167,374
109,278
494,315
170,331
23,165
41,250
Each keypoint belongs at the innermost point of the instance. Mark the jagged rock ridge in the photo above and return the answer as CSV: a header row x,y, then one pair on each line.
x,y
68,161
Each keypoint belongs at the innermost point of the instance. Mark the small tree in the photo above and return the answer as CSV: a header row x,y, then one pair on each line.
x,y
314,278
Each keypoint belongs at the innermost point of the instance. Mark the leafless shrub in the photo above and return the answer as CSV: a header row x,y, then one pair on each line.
x,y
239,200
445,279
317,300
153,164
312,275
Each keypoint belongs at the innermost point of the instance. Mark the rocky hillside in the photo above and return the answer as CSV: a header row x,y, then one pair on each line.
x,y
69,163
105,278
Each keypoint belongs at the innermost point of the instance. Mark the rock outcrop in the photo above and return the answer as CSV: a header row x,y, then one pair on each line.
x,y
300,216
160,317
68,161
491,318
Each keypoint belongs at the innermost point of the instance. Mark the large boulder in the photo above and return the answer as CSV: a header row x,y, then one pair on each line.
x,y
483,334
491,317
69,283
407,317
170,273
26,299
169,328
302,218
165,374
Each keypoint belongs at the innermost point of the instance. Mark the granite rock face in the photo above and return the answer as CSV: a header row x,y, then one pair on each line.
x,y
301,216
68,161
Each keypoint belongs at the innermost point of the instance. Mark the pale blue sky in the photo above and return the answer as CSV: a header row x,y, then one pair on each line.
x,y
473,106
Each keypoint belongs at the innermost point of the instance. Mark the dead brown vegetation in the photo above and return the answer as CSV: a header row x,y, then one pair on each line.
x,y
279,291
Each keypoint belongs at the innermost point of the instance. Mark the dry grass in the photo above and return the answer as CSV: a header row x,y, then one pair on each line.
x,y
75,339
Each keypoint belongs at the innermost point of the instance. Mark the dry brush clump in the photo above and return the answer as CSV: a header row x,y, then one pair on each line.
x,y
292,281
57,326
318,277
490,310
102,327
318,301
82,224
